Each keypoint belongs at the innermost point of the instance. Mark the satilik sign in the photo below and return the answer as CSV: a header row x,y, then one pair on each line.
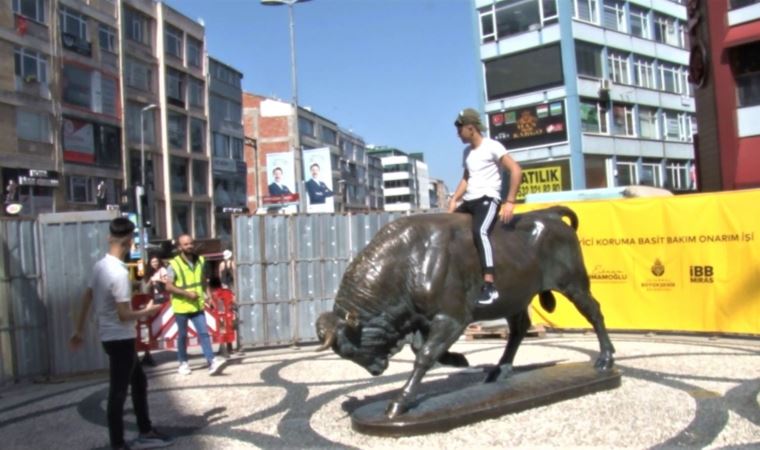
x,y
552,176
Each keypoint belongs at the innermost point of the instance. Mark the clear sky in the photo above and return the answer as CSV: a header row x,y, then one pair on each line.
x,y
395,72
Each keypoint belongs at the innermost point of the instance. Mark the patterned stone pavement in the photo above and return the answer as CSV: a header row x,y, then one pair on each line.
x,y
676,392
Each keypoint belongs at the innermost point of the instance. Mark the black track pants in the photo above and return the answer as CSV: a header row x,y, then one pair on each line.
x,y
484,211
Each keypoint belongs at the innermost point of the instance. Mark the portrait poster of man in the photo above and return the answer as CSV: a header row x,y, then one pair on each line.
x,y
281,186
318,180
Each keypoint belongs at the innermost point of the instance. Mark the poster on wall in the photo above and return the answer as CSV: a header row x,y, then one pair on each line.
x,y
78,141
529,126
317,169
281,185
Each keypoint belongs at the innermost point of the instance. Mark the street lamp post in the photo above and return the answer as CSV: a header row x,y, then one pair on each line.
x,y
294,93
140,212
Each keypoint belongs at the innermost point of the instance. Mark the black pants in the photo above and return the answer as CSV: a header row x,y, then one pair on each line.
x,y
125,371
484,211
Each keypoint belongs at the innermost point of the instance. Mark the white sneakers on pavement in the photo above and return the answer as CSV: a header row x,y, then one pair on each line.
x,y
216,366
184,368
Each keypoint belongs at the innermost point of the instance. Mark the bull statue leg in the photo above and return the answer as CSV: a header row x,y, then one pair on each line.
x,y
588,307
518,329
444,331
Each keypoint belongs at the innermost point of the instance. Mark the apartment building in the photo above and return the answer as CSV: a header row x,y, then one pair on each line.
x,y
109,94
406,182
229,170
350,174
439,194
725,67
590,93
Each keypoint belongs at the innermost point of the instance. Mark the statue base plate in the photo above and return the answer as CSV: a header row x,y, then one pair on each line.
x,y
469,400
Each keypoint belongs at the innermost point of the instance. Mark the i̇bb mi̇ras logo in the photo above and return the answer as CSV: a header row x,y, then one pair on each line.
x,y
701,274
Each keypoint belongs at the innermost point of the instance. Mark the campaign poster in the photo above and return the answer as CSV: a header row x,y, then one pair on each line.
x,y
318,183
281,181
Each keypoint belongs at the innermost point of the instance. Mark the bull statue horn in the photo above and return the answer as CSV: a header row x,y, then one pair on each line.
x,y
326,330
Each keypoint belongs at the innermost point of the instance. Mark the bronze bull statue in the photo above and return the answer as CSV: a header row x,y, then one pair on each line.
x,y
419,274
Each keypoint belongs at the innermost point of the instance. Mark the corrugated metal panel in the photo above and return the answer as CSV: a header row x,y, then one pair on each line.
x,y
71,245
289,270
22,314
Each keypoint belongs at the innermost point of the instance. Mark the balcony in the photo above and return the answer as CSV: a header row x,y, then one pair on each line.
x,y
76,44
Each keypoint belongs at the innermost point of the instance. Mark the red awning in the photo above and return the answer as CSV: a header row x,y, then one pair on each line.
x,y
742,34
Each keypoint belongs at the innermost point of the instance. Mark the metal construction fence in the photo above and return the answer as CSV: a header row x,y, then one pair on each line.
x,y
288,270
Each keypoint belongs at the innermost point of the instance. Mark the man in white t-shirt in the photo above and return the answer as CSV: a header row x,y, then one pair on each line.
x,y
480,189
111,292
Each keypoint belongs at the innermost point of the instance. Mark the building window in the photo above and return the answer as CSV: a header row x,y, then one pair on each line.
x,y
678,176
173,41
200,173
626,172
31,9
639,22
613,15
736,4
177,130
622,120
587,10
221,146
648,127
669,78
651,174
668,31
33,126
643,73
136,26
588,58
178,176
197,135
305,126
201,221
175,89
745,64
237,149
80,189
138,75
73,23
194,52
511,17
195,92
77,87
329,135
593,117
107,38
134,112
181,218
487,30
618,67
677,126
30,66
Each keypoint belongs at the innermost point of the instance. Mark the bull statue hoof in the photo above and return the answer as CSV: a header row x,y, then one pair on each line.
x,y
604,362
499,373
395,409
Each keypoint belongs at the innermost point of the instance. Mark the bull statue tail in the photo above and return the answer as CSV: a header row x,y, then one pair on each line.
x,y
564,211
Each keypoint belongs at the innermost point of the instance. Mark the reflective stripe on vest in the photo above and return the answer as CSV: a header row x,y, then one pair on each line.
x,y
189,279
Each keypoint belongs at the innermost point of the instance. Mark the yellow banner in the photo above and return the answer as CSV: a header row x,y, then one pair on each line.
x,y
685,263
540,179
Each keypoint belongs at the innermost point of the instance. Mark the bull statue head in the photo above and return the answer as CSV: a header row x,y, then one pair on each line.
x,y
366,346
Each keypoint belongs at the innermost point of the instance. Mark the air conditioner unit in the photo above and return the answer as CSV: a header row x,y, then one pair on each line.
x,y
605,84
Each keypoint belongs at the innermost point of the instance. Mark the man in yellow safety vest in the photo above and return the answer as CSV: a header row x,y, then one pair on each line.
x,y
187,282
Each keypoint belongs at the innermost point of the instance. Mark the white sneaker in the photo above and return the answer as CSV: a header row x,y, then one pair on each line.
x,y
215,368
184,368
